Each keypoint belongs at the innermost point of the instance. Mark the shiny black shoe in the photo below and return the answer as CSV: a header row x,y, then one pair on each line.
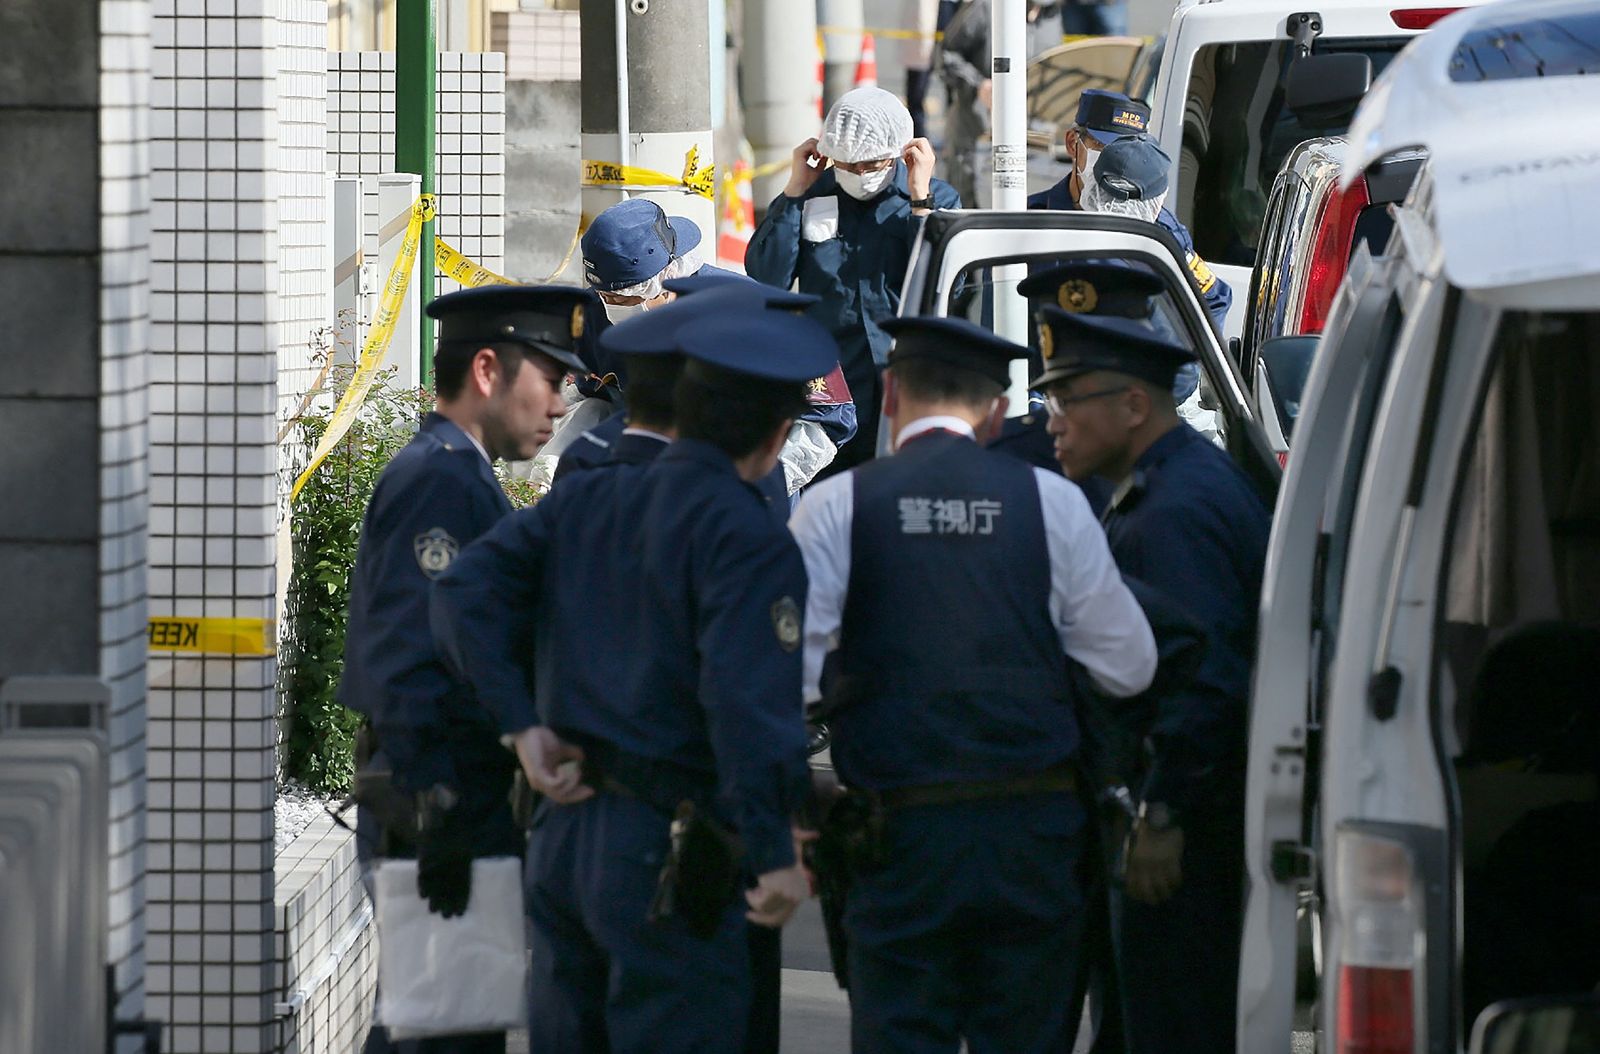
x,y
817,738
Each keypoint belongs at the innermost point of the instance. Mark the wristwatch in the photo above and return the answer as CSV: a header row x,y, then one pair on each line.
x,y
1157,815
922,203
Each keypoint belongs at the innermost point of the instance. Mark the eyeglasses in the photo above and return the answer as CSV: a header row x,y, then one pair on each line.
x,y
861,168
1057,404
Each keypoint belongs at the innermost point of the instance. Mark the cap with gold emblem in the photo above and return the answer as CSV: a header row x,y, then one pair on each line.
x,y
1094,289
1072,344
953,342
553,319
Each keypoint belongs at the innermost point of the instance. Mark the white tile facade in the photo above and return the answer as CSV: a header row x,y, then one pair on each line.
x,y
538,45
213,395
124,483
470,171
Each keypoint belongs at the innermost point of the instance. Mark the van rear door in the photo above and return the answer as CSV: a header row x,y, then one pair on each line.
x,y
959,267
1300,610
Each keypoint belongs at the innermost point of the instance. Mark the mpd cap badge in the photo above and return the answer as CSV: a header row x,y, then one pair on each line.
x,y
1047,342
1077,296
577,322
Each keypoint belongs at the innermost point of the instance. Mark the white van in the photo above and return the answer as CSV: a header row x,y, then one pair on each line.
x,y
1221,104
1425,725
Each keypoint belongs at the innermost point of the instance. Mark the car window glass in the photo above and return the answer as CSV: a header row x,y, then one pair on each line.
x,y
1236,133
1511,48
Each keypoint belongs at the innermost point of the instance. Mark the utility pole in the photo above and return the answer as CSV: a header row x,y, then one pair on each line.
x,y
416,73
842,22
1008,29
647,100
778,87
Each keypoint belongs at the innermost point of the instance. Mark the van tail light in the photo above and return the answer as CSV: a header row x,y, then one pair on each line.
x,y
1330,253
1381,949
1420,17
1283,459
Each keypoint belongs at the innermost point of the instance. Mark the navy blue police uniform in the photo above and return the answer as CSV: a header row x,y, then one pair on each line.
x,y
683,596
1110,116
656,334
950,703
437,495
1188,523
856,265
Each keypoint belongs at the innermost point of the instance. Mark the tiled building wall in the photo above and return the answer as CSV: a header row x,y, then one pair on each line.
x,y
470,170
213,372
304,298
74,265
124,478
538,45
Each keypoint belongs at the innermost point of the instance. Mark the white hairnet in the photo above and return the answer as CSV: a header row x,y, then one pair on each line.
x,y
865,124
1096,199
677,267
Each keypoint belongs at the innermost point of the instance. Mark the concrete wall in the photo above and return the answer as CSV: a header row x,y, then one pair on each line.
x,y
74,262
542,170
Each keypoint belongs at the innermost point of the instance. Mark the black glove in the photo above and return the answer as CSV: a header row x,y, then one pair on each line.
x,y
444,853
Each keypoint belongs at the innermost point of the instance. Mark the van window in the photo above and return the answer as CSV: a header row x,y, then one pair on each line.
x,y
1236,133
1518,702
1511,48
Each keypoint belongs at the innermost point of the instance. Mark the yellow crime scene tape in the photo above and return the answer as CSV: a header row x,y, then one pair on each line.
x,y
214,636
378,338
456,266
695,180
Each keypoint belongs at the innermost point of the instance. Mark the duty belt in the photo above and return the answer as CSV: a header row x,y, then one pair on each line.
x,y
660,784
1053,779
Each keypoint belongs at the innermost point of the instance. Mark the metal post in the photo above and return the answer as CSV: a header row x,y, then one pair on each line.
x,y
416,62
1008,20
779,72
664,66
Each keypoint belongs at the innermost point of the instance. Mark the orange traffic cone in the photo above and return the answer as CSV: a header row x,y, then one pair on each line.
x,y
867,68
821,62
738,217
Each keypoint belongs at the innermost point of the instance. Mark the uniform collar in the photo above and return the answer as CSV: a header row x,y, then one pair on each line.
x,y
938,422
1172,441
698,450
645,433
452,434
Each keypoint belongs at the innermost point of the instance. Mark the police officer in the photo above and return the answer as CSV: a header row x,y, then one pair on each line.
x,y
951,703
828,423
1089,287
682,594
844,233
503,352
1103,118
1185,520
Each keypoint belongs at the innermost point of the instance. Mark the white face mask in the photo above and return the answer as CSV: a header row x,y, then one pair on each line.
x,y
1090,156
864,187
620,312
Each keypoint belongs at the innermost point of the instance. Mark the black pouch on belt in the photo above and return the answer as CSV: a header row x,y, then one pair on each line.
x,y
701,876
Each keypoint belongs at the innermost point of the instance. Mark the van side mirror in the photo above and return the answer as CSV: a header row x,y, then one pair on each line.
x,y
1287,363
1325,89
1545,1025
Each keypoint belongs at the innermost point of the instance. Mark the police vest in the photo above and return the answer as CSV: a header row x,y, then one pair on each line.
x,y
951,666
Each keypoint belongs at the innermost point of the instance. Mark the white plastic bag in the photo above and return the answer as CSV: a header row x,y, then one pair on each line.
x,y
439,976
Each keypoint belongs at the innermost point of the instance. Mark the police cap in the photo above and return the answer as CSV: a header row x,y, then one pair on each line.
x,y
706,279
1076,344
1134,168
655,332
760,344
1110,115
547,318
953,342
1091,288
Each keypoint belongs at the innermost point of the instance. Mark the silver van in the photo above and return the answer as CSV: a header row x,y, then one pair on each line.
x,y
1425,720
